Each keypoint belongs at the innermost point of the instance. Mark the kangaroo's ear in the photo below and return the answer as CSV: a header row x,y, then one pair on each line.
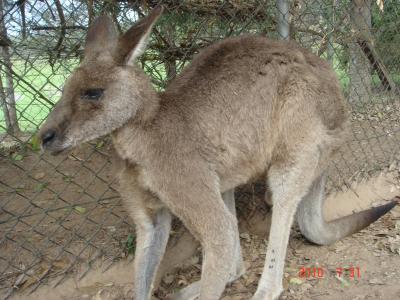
x,y
101,38
133,42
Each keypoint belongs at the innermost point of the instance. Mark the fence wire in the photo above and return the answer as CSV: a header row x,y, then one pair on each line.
x,y
60,215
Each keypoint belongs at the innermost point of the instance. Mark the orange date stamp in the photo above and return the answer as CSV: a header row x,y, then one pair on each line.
x,y
319,272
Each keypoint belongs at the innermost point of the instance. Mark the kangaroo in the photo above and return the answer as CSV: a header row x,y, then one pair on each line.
x,y
245,106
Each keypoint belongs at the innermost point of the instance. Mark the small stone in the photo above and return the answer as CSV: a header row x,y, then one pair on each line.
x,y
397,225
306,286
111,228
39,175
376,281
245,236
393,166
169,279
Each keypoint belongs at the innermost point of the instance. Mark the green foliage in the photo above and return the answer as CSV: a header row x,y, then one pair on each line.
x,y
39,79
41,186
386,30
34,143
17,156
130,245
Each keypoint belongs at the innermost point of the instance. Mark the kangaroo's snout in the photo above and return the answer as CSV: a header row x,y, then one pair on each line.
x,y
53,141
48,137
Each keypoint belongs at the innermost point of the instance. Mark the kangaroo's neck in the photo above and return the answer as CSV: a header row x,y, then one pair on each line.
x,y
133,140
146,114
149,102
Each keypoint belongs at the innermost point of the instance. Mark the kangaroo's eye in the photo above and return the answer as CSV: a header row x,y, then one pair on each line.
x,y
92,94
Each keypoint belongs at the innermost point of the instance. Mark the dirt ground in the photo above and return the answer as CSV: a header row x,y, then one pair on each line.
x,y
363,266
62,216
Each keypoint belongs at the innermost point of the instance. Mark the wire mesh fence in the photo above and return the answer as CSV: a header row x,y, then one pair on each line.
x,y
60,214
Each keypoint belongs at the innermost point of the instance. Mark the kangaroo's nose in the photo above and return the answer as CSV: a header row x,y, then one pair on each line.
x,y
48,137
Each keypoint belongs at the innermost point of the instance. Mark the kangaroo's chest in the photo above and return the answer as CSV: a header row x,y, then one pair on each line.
x,y
235,156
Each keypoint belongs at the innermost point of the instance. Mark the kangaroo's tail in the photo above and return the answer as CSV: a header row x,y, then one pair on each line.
x,y
317,230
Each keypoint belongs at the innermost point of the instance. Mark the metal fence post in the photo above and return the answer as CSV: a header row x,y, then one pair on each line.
x,y
283,19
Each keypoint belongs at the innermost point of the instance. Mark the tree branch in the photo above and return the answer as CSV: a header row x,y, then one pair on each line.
x,y
72,27
62,27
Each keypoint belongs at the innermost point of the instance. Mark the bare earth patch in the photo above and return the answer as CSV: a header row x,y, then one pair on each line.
x,y
363,266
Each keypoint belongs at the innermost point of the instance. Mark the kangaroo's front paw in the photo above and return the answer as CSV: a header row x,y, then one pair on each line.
x,y
270,294
265,297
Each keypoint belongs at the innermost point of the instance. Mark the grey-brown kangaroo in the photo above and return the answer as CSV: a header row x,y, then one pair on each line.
x,y
245,106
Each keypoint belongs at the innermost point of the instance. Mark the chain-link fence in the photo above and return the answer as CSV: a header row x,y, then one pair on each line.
x,y
61,214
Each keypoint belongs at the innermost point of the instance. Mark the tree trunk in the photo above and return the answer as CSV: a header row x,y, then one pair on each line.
x,y
359,67
330,48
170,60
8,91
3,101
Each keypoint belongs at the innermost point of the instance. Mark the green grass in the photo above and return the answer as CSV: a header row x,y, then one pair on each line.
x,y
38,78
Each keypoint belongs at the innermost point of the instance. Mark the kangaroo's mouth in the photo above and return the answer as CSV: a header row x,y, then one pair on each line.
x,y
58,150
56,146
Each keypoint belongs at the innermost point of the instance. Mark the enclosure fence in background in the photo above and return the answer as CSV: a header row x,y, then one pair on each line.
x,y
62,215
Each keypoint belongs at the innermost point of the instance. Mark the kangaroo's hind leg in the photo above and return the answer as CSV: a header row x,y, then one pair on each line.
x,y
193,195
192,291
289,182
180,249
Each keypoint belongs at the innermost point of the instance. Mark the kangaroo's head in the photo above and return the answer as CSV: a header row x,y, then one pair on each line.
x,y
106,90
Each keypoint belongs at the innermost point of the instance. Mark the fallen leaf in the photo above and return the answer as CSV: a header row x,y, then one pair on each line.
x,y
60,264
100,144
295,280
41,186
17,157
35,143
80,209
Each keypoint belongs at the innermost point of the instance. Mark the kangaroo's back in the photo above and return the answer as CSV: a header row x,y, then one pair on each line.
x,y
252,69
247,98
